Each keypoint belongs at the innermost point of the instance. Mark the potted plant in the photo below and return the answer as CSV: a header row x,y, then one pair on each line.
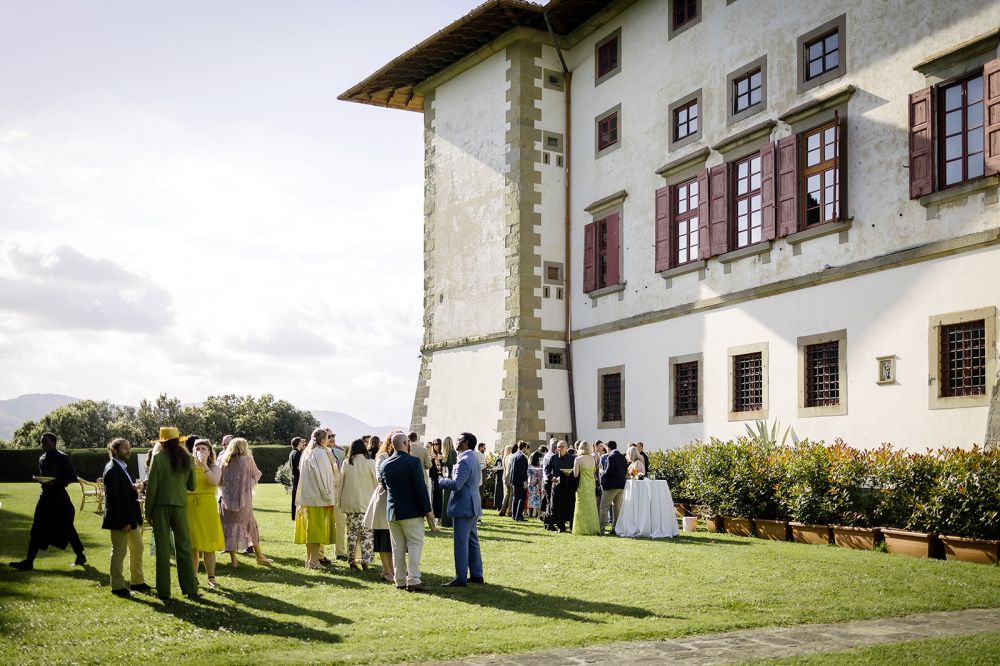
x,y
908,482
766,458
670,465
805,494
707,469
965,505
853,493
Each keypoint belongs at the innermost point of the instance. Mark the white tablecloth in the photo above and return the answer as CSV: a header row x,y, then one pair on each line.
x,y
647,510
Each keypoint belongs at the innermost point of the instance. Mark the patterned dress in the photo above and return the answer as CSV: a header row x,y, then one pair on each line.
x,y
239,481
535,488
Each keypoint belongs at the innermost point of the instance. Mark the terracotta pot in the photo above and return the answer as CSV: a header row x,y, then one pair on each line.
x,y
715,524
911,544
856,538
773,530
818,535
979,551
739,526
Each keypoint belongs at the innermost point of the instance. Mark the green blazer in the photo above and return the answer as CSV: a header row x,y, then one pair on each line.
x,y
165,487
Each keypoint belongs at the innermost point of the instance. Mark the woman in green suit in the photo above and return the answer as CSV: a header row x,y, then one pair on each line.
x,y
171,477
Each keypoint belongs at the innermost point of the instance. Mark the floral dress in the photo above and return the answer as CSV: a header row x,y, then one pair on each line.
x,y
535,488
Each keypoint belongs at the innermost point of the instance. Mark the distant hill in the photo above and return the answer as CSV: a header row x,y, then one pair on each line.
x,y
29,407
348,428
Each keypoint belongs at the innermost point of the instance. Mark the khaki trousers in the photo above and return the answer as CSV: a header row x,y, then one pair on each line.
x,y
407,538
610,498
132,542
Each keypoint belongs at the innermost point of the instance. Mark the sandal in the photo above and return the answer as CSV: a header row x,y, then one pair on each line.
x,y
212,584
265,560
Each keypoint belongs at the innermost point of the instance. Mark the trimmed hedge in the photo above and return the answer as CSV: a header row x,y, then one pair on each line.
x,y
21,464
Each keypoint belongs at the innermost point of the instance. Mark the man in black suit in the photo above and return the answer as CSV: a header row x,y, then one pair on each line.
x,y
613,473
293,462
54,513
123,517
407,503
519,480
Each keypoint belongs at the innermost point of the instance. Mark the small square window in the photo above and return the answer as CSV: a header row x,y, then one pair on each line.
x,y
683,15
686,120
822,55
747,91
552,272
607,132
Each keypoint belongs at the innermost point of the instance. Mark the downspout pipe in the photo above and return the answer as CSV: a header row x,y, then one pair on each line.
x,y
568,147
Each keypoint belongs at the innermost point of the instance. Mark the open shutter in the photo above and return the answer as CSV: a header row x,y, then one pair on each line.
x,y
614,249
787,190
589,277
991,115
921,144
663,228
719,212
767,192
704,217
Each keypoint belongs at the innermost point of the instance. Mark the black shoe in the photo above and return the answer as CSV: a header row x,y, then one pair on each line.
x,y
194,596
417,588
123,593
23,565
81,559
342,558
325,561
454,582
141,587
478,580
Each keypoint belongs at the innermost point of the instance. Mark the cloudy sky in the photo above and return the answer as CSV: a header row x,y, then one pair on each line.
x,y
185,207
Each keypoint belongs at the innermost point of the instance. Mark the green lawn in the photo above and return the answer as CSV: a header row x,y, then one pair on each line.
x,y
974,650
546,590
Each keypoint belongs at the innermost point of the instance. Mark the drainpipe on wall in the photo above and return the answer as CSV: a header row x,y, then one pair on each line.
x,y
567,147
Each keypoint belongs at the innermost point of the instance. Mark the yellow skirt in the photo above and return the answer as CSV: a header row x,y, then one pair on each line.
x,y
204,523
314,524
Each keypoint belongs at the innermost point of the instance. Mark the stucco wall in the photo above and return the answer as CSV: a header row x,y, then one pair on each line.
x,y
468,226
464,392
885,313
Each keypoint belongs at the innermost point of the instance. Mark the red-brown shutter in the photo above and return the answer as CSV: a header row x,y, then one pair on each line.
x,y
921,143
664,224
614,250
991,115
767,192
589,277
719,211
787,190
704,217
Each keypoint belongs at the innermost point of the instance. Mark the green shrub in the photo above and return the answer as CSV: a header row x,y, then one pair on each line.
x,y
671,465
965,500
283,475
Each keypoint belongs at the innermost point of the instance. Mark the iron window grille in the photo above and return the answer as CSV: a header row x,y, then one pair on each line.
x,y
748,382
686,389
961,131
611,394
963,359
822,374
748,222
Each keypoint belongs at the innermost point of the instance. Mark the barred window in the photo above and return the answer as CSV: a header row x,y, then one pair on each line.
x,y
822,364
611,397
748,382
963,359
686,389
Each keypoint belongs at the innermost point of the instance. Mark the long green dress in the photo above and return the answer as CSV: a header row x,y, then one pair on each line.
x,y
585,514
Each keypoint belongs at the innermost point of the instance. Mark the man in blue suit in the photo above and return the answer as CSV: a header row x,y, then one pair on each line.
x,y
519,479
465,507
407,503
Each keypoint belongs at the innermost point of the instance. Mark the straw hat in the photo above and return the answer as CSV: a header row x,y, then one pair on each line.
x,y
167,434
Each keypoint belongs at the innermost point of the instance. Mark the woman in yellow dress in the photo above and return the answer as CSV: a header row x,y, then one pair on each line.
x,y
315,497
203,510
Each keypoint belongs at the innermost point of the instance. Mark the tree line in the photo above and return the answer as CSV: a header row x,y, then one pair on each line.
x,y
89,424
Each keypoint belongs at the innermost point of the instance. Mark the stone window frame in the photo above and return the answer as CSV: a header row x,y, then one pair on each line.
x,y
599,78
672,363
601,372
673,32
756,414
554,350
695,97
601,152
552,142
559,82
837,24
804,341
935,322
759,63
561,280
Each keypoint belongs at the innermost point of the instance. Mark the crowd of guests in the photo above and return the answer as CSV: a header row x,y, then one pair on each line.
x,y
576,489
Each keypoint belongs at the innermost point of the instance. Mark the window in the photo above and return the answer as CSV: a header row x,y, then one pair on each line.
x,y
963,359
555,358
685,236
746,91
611,397
686,120
684,11
607,57
961,131
686,389
607,132
821,176
748,384
748,225
553,80
823,374
822,55
604,258
552,272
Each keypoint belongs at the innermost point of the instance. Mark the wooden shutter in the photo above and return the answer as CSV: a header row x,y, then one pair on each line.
x,y
704,217
767,192
614,249
589,252
921,143
787,190
991,115
664,228
719,209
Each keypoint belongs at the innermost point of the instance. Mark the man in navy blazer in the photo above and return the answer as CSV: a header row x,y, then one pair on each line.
x,y
613,473
465,508
407,503
123,517
519,479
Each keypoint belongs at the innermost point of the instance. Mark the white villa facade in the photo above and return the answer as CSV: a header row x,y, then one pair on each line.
x,y
694,214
